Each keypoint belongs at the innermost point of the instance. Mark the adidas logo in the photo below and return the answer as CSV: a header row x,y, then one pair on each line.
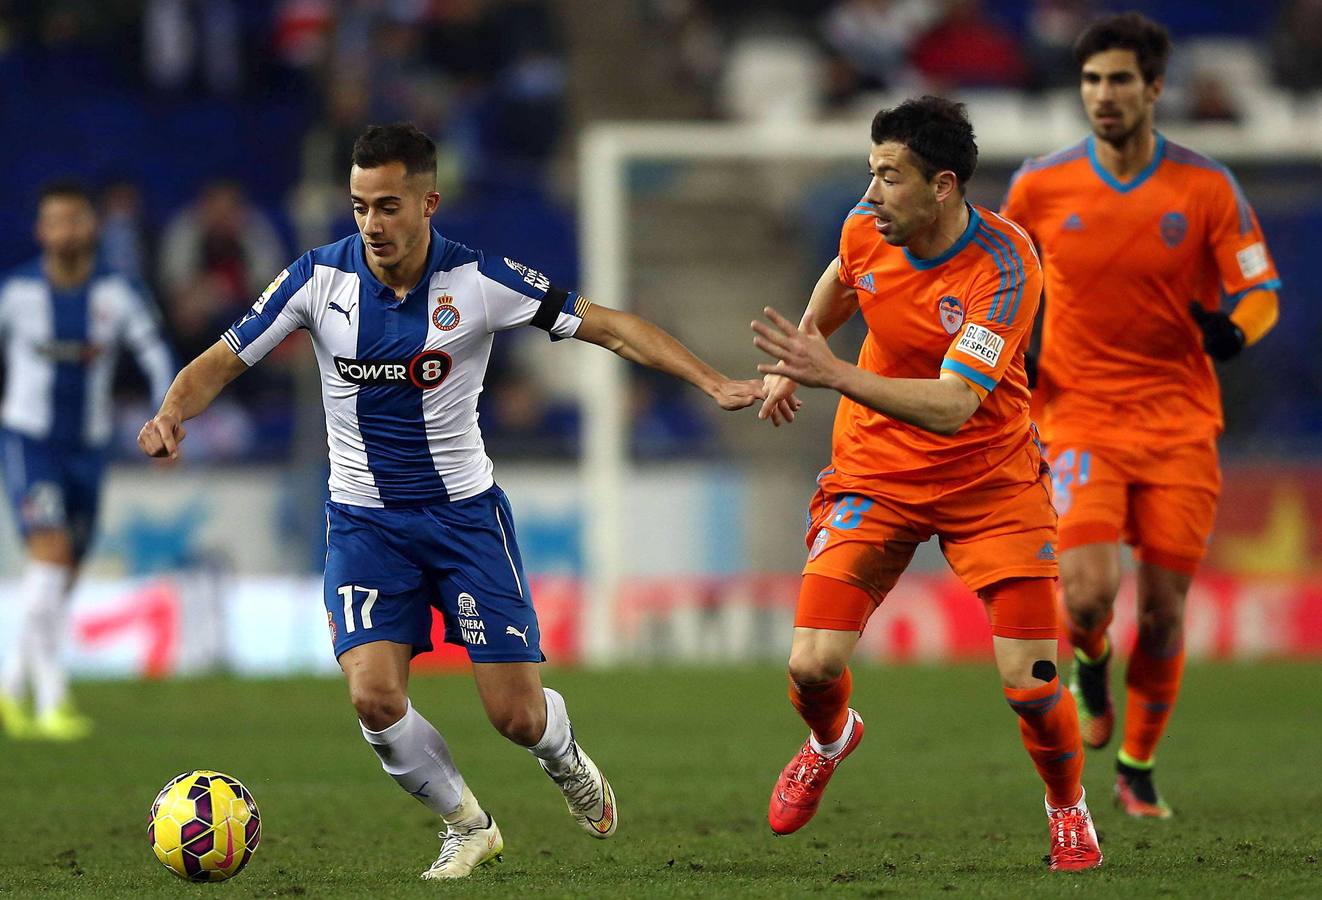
x,y
867,284
1047,552
1073,223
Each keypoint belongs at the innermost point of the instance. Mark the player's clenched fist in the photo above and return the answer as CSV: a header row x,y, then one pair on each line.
x,y
780,404
160,437
736,394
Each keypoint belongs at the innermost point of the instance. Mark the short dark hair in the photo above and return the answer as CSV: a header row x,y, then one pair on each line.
x,y
400,142
65,187
1149,40
935,130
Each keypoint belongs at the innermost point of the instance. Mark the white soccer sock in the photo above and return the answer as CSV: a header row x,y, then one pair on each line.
x,y
838,744
414,754
553,747
40,642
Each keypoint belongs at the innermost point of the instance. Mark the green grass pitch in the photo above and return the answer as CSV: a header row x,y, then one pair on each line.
x,y
940,800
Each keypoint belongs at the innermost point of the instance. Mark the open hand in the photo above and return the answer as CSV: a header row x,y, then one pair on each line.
x,y
802,351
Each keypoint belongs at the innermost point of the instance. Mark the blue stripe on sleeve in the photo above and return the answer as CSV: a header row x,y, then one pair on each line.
x,y
983,381
1272,285
1000,264
1003,240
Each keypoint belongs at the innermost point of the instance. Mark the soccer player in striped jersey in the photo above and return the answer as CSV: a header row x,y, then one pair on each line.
x,y
1143,242
402,320
932,438
63,319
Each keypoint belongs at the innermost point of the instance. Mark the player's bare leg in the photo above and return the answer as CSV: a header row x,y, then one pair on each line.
x,y
1049,727
1090,580
535,717
819,689
413,753
1153,682
37,663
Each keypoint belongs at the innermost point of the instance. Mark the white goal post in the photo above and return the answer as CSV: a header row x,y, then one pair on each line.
x,y
605,154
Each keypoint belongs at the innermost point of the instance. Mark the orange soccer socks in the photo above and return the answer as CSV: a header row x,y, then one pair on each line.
x,y
1091,642
1153,680
824,706
1049,725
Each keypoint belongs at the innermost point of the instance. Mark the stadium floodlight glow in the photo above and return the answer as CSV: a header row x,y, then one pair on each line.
x,y
605,154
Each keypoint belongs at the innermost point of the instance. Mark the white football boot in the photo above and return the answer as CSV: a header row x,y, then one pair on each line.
x,y
465,849
588,794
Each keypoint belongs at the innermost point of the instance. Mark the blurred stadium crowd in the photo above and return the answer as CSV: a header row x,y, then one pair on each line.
x,y
216,134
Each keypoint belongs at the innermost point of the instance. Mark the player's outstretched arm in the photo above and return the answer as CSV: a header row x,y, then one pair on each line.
x,y
940,405
831,305
638,340
192,391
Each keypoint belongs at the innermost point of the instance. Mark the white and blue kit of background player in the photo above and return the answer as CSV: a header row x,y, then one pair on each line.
x,y
415,517
60,348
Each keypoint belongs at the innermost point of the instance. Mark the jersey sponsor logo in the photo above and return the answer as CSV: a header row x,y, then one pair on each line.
x,y
1252,260
1174,226
266,294
982,343
446,316
530,276
340,309
69,351
868,283
951,312
426,370
1073,223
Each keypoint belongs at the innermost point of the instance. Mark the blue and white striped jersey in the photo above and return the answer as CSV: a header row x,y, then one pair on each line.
x,y
400,379
60,349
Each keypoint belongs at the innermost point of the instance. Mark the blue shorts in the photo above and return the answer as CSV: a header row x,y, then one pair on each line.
x,y
53,486
387,568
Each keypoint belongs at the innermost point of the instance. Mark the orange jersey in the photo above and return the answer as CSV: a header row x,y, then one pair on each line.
x,y
969,312
1122,359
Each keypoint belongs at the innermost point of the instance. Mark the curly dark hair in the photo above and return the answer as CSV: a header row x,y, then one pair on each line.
x,y
1134,31
935,130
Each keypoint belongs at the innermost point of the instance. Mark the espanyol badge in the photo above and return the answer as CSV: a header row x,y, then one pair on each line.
x,y
446,316
951,312
1173,228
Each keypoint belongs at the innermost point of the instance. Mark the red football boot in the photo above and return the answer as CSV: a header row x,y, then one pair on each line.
x,y
1074,844
801,785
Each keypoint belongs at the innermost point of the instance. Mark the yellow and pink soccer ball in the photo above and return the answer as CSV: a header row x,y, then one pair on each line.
x,y
204,826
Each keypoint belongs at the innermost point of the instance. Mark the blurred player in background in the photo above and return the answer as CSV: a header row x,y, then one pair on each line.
x,y
63,318
932,437
1142,242
402,322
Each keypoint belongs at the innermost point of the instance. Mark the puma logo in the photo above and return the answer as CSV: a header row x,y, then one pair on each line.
x,y
521,635
340,309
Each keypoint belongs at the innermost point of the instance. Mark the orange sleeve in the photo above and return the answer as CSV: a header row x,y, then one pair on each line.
x,y
999,317
1236,240
1256,313
1015,206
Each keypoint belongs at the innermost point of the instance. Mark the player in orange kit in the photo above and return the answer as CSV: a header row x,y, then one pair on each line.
x,y
932,437
1141,239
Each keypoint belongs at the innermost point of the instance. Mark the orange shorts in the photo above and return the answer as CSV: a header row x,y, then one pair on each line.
x,y
999,527
1160,500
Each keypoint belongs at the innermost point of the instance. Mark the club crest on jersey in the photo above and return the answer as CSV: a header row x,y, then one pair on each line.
x,y
1174,226
330,623
530,276
446,316
426,370
951,312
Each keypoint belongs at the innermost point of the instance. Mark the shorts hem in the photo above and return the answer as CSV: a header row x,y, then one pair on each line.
x,y
826,623
1039,571
343,647
1084,533
1183,563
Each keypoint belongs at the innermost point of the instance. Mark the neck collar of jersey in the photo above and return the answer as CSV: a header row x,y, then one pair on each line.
x,y
386,293
1111,181
975,219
